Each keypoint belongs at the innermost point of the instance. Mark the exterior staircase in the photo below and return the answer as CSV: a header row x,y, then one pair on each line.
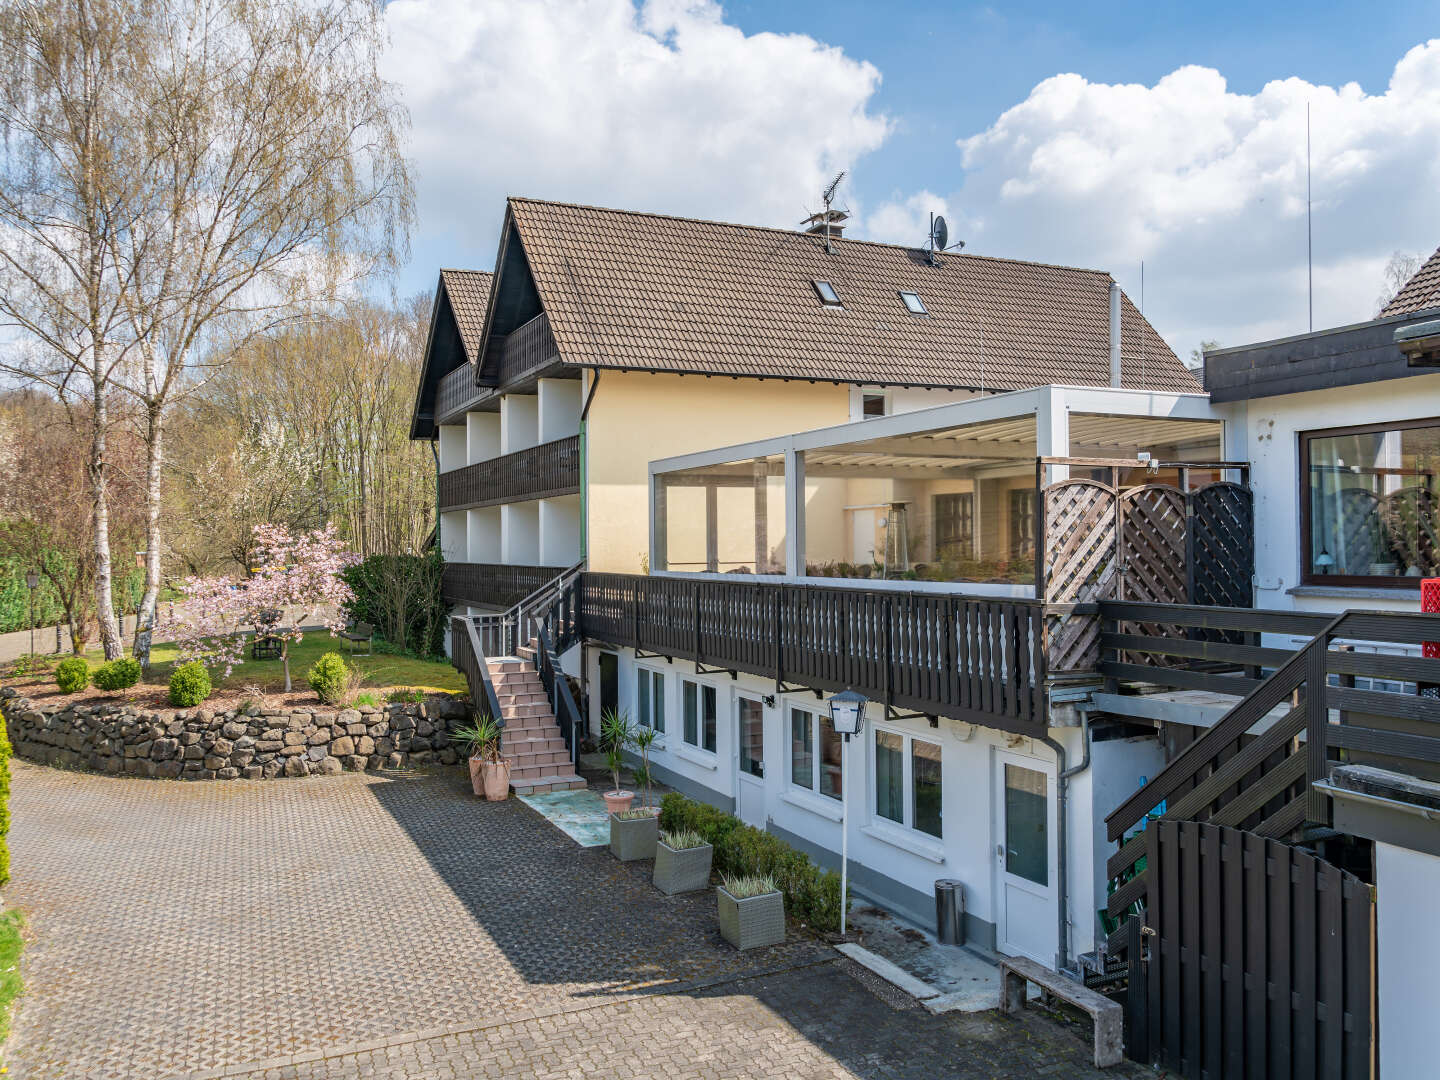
x,y
532,743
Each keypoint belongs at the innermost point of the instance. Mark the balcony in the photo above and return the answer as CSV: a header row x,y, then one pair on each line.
x,y
510,358
493,584
540,472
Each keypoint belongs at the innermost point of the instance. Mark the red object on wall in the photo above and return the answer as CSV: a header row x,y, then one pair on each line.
x,y
1430,602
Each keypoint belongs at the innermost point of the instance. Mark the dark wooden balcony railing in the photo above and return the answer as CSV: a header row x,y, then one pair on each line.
x,y
971,659
493,584
527,348
456,392
541,472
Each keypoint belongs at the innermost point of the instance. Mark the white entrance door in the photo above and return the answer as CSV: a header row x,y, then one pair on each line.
x,y
750,760
1025,894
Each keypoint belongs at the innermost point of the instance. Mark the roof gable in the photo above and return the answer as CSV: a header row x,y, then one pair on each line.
x,y
632,290
455,336
1420,293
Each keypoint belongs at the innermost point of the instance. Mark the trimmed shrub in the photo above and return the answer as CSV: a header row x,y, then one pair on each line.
x,y
117,674
400,596
189,685
327,677
812,895
4,805
72,675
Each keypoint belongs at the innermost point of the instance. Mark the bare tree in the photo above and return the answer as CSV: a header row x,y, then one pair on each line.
x,y
68,176
278,184
1402,266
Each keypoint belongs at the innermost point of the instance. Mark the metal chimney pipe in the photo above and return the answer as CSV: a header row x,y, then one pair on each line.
x,y
1114,334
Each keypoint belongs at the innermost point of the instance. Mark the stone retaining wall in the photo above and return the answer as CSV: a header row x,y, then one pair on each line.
x,y
201,744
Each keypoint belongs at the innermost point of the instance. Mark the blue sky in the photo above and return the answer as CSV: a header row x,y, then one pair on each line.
x,y
1093,135
950,69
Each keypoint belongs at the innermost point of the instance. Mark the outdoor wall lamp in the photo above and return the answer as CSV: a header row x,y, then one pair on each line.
x,y
847,712
847,717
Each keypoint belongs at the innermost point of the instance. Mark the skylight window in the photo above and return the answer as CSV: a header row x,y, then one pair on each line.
x,y
828,296
913,304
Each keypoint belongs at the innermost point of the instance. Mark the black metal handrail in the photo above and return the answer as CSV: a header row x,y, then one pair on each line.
x,y
557,686
467,654
973,659
545,471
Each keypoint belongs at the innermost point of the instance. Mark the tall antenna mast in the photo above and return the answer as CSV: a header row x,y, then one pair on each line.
x,y
827,197
1309,231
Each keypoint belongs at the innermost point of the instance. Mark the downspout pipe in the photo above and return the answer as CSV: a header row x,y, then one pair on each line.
x,y
1062,813
1115,372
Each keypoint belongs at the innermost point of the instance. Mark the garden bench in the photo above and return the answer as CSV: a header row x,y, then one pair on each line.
x,y
358,632
1108,1016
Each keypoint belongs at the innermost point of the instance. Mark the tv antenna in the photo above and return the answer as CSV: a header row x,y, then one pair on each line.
x,y
938,239
819,224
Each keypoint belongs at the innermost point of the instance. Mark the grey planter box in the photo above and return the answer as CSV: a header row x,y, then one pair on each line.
x,y
685,870
752,922
634,838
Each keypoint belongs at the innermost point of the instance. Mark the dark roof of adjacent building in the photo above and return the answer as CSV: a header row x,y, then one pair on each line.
x,y
468,292
624,289
1420,293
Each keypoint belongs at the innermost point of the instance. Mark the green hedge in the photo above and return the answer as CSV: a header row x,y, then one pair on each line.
x,y
400,596
812,895
4,804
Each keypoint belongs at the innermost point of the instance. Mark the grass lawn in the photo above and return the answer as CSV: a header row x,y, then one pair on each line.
x,y
11,942
380,671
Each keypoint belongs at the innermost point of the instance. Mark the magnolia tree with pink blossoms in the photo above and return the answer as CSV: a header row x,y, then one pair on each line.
x,y
293,572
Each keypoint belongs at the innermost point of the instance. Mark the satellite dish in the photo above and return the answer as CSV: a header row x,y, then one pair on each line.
x,y
940,234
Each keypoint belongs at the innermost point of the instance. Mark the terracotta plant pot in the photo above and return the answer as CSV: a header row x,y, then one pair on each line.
x,y
616,801
496,776
477,779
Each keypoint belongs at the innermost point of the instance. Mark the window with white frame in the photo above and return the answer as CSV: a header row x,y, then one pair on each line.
x,y
907,781
814,753
650,698
698,707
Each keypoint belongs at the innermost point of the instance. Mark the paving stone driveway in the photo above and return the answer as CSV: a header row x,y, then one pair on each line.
x,y
394,926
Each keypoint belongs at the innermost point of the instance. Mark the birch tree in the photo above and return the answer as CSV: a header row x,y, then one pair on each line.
x,y
278,185
68,180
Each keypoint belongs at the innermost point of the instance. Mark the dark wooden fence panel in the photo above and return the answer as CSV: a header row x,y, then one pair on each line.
x,y
1259,960
970,659
541,472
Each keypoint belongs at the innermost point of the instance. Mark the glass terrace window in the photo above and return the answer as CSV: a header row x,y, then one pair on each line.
x,y
650,698
814,753
697,703
907,781
913,304
1371,511
828,296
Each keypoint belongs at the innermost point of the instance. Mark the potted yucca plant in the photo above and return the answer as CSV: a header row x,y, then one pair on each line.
x,y
489,771
751,910
634,832
682,862
615,734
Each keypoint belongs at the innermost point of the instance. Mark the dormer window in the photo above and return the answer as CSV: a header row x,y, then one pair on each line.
x,y
913,304
828,296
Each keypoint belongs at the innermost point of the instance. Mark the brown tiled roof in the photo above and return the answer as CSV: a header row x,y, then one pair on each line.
x,y
634,290
1420,292
469,293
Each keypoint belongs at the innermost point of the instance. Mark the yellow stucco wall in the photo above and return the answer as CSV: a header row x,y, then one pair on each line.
x,y
637,417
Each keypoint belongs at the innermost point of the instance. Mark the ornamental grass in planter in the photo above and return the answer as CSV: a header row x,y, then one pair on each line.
x,y
682,862
751,911
634,833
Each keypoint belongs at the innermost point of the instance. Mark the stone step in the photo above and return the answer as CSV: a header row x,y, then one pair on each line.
x,y
561,782
519,697
530,772
531,727
504,665
529,708
522,762
542,742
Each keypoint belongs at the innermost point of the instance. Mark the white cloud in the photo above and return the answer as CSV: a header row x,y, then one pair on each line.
x,y
660,107
1208,188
